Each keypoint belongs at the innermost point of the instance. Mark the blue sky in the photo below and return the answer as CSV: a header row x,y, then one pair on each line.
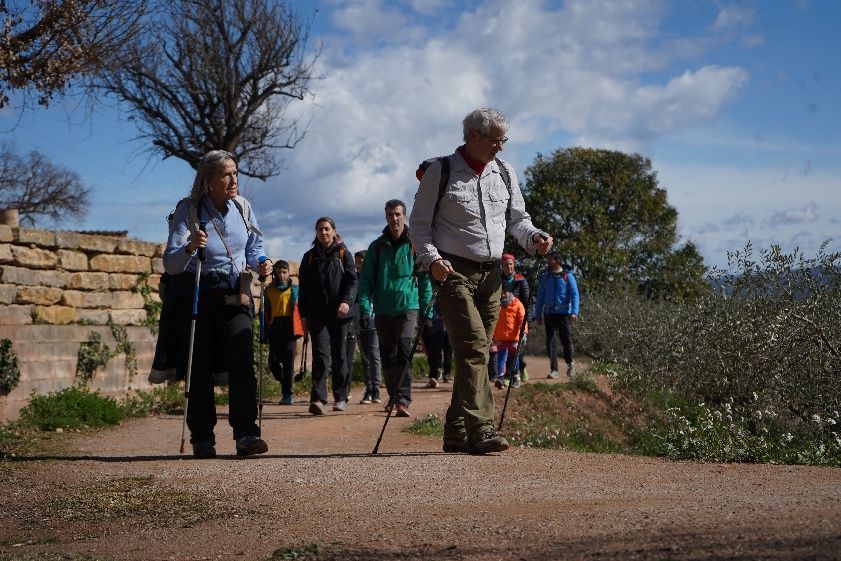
x,y
736,103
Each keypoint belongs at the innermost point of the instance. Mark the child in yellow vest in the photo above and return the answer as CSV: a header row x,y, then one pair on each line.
x,y
283,327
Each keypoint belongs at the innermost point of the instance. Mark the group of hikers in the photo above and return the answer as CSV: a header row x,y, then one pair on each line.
x,y
441,269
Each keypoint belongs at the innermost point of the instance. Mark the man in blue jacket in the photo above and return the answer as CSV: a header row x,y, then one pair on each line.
x,y
557,307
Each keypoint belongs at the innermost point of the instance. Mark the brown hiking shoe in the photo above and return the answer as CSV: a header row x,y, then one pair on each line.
x,y
456,446
403,410
488,441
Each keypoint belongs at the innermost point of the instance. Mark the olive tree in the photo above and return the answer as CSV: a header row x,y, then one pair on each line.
x,y
608,213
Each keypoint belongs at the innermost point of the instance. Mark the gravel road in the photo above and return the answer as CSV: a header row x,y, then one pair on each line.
x,y
126,494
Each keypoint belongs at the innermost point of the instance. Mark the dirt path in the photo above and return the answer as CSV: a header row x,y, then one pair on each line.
x,y
125,494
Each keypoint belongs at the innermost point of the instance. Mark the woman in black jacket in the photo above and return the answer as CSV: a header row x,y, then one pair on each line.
x,y
328,285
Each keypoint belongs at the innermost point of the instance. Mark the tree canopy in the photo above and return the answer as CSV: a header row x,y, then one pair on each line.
x,y
217,74
46,44
607,212
39,188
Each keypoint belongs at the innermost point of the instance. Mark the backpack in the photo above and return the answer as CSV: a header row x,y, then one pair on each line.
x,y
194,215
445,177
341,258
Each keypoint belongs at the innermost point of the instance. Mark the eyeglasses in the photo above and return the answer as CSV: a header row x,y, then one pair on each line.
x,y
499,141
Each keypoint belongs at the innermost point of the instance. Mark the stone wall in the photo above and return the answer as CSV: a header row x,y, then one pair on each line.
x,y
58,286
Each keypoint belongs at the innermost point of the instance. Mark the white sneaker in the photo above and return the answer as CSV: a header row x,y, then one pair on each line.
x,y
570,370
553,375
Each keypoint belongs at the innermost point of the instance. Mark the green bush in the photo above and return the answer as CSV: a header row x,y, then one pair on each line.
x,y
9,370
73,407
763,344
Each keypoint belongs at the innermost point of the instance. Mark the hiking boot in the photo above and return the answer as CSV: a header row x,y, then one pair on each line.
x,y
403,410
366,399
553,375
432,383
499,384
488,441
516,382
287,400
570,370
456,446
250,445
524,375
340,406
203,450
316,408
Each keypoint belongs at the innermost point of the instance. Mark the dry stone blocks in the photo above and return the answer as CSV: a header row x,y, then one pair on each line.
x,y
33,257
135,247
120,281
85,242
120,263
88,281
128,317
41,295
56,315
6,253
72,260
44,238
15,315
99,317
6,233
20,275
8,292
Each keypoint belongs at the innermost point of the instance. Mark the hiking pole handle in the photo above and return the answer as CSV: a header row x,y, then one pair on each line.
x,y
407,368
262,259
200,251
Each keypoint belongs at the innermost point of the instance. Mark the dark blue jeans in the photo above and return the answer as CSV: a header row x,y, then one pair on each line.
x,y
558,324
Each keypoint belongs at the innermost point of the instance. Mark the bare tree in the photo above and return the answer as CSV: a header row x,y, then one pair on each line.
x,y
37,187
45,44
218,74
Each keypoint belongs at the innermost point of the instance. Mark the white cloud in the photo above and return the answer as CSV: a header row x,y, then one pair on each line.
x,y
582,69
733,16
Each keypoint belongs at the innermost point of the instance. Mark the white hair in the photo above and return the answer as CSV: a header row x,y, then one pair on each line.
x,y
483,120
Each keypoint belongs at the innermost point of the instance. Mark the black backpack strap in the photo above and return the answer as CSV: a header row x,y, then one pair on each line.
x,y
506,178
443,182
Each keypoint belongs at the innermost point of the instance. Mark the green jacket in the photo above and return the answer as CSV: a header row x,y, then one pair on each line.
x,y
388,282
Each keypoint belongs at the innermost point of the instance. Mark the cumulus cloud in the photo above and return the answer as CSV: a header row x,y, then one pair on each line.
x,y
396,84
802,215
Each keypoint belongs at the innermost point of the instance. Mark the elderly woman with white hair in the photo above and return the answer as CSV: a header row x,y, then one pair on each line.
x,y
231,242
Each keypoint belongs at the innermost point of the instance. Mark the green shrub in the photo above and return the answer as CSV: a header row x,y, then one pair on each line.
x,y
430,425
73,407
93,354
766,341
9,370
161,400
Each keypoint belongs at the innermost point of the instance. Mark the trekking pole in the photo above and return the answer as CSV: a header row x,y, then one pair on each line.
x,y
516,356
300,375
200,256
407,368
262,334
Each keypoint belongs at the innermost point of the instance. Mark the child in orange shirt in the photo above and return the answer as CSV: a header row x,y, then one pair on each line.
x,y
506,336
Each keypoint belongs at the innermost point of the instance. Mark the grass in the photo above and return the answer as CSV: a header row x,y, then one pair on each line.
x,y
430,425
71,408
308,552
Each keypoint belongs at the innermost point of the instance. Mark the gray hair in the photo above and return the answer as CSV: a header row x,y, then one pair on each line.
x,y
394,203
483,120
207,165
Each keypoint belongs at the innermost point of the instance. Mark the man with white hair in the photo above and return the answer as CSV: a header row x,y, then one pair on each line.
x,y
464,205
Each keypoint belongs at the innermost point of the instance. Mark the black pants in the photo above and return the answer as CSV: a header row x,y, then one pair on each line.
x,y
439,353
224,334
560,324
282,345
396,334
329,349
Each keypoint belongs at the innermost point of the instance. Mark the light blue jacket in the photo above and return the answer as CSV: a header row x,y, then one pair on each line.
x,y
245,247
557,293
